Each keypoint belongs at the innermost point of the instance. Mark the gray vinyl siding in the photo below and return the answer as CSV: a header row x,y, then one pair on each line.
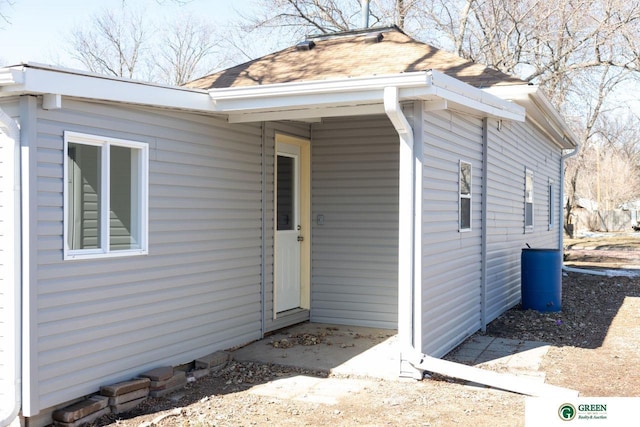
x,y
104,320
8,246
516,147
355,253
292,317
451,260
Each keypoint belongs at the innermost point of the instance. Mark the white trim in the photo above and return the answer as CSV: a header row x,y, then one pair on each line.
x,y
41,79
280,100
465,196
301,152
143,217
307,114
362,93
51,101
539,111
529,172
551,196
11,322
418,175
29,221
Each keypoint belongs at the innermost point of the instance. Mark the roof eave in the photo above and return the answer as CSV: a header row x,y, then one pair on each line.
x,y
40,79
353,96
539,111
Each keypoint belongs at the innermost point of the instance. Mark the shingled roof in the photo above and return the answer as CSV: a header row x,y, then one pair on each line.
x,y
355,54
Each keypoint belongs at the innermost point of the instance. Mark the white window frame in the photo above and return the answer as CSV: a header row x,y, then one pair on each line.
x,y
143,209
529,198
552,195
462,196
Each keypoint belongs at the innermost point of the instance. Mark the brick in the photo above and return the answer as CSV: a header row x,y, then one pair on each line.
x,y
127,397
178,376
125,387
84,420
200,373
176,385
81,409
215,360
159,374
127,406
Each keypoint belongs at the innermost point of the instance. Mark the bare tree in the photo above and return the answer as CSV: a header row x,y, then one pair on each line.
x,y
4,16
120,43
328,16
189,48
112,43
305,15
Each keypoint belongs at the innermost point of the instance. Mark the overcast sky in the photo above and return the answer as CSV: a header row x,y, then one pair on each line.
x,y
38,28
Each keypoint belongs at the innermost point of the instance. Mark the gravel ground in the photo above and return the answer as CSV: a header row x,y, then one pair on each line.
x,y
595,349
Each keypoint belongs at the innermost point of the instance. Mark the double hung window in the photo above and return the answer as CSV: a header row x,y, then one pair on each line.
x,y
464,206
551,210
528,200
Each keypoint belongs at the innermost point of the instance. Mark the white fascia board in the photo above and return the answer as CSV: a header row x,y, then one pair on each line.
x,y
351,84
539,110
274,101
298,101
307,113
313,94
10,76
30,80
456,91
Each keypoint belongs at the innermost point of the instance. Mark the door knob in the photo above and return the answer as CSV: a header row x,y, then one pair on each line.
x,y
300,238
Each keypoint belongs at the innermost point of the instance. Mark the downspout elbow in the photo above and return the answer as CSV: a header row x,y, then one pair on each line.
x,y
394,111
571,153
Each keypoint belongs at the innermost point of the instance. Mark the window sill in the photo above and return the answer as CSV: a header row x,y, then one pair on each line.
x,y
100,255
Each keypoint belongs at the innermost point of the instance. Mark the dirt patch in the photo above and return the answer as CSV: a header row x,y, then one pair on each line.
x,y
595,349
611,250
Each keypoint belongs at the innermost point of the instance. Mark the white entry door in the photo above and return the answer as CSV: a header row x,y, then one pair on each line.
x,y
289,222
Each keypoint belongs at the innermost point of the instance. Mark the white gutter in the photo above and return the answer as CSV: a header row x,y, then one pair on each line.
x,y
539,111
407,287
10,199
38,79
323,98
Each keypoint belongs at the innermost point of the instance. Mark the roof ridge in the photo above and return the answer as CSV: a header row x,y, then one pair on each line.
x,y
358,32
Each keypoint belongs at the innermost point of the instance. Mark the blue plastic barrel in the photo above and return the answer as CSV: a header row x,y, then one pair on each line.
x,y
541,282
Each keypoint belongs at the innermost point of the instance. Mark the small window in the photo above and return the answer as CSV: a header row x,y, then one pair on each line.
x,y
528,200
464,206
105,200
551,198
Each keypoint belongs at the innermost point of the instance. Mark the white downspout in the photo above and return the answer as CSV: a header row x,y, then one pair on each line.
x,y
10,197
561,210
406,240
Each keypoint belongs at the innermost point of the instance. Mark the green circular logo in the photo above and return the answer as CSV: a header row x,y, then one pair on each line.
x,y
567,412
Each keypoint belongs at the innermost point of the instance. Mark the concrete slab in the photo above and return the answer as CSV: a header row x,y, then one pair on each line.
x,y
360,353
339,350
519,358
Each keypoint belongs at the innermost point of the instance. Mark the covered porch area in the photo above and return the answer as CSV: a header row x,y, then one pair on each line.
x,y
360,247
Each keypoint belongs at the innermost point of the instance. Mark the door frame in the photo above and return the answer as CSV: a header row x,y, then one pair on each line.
x,y
305,217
